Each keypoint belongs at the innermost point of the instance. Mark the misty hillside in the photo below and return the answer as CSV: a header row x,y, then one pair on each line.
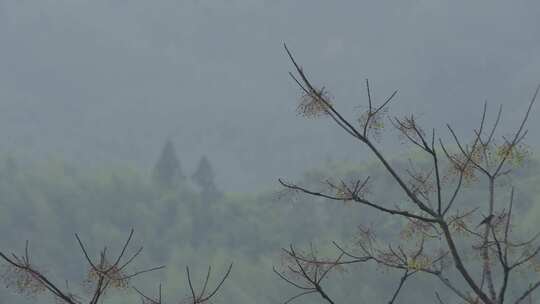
x,y
232,131
47,202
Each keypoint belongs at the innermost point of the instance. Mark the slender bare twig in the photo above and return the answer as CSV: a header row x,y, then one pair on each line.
x,y
203,296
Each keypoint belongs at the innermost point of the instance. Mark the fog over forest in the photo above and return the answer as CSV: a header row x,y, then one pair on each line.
x,y
177,117
107,81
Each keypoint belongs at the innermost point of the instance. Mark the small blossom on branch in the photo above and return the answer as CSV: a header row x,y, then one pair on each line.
x,y
314,104
516,154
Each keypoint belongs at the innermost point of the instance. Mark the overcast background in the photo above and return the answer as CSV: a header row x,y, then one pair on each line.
x,y
108,81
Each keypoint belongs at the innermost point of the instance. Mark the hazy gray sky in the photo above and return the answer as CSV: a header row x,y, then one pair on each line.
x,y
102,81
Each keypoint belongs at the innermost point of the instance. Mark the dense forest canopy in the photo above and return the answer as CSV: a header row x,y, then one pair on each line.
x,y
178,228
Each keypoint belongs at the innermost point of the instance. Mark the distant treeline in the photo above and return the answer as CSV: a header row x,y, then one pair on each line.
x,y
183,220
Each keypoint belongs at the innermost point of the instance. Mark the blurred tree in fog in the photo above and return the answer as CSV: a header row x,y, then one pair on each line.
x,y
204,178
167,171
